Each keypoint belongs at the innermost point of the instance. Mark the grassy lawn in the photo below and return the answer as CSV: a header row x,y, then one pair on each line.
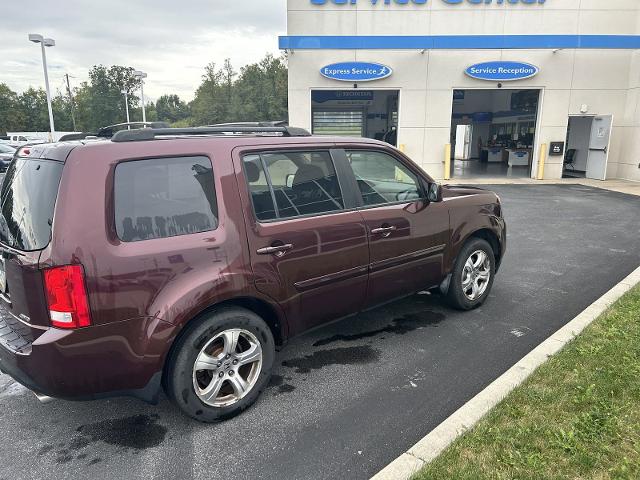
x,y
577,417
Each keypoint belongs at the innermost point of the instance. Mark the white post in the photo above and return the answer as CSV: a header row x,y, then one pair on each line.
x,y
46,82
126,103
144,113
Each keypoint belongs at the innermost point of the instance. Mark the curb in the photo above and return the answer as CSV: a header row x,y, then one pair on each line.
x,y
427,449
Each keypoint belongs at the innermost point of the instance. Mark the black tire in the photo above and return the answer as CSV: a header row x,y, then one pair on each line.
x,y
456,296
179,380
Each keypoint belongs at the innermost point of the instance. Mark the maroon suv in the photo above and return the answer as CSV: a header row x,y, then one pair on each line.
x,y
181,259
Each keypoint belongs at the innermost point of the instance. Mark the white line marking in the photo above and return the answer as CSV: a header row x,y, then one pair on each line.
x,y
427,449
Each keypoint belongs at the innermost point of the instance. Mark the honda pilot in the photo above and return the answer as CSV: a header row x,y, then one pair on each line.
x,y
181,259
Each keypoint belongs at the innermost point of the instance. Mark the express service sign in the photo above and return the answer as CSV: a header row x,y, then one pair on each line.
x,y
502,71
356,71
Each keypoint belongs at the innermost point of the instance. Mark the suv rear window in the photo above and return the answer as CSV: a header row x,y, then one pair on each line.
x,y
27,201
164,197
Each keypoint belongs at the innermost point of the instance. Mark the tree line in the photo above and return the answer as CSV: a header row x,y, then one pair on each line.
x,y
258,92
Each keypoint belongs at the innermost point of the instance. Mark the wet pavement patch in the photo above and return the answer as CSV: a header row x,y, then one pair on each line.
x,y
138,432
334,356
278,382
399,326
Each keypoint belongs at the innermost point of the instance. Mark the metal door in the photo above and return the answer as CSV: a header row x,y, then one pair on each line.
x,y
599,147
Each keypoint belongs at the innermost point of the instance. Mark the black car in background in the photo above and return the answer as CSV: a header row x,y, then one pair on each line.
x,y
6,155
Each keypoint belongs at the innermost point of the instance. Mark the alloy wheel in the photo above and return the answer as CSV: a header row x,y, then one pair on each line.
x,y
476,275
227,368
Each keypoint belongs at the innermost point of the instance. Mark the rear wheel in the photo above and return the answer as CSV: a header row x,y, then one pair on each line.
x,y
473,274
221,365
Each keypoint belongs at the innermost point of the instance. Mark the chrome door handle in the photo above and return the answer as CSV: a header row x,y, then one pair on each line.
x,y
277,250
384,231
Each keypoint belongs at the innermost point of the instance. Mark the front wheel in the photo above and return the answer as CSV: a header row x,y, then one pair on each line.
x,y
221,365
472,276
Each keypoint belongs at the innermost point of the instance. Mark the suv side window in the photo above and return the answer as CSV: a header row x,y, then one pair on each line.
x,y
292,184
164,197
382,178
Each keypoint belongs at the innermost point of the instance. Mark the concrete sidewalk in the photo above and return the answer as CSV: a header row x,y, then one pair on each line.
x,y
622,186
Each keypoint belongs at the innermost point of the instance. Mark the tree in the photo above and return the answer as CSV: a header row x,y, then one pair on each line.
x,y
171,109
100,101
33,103
258,94
11,115
261,91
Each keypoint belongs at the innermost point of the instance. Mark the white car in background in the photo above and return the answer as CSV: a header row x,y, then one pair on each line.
x,y
20,140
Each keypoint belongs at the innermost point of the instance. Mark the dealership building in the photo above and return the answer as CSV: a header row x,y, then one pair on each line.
x,y
504,82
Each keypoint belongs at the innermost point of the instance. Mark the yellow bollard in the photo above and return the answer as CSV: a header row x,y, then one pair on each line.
x,y
401,147
447,162
541,161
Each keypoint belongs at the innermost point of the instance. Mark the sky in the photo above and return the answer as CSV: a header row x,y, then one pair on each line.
x,y
170,40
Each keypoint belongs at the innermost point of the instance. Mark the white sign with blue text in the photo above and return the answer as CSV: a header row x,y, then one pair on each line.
x,y
356,71
502,71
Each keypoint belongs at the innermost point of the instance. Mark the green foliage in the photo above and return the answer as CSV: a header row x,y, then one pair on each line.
x,y
11,115
171,109
257,93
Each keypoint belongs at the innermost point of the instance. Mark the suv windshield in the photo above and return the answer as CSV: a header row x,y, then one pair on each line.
x,y
27,200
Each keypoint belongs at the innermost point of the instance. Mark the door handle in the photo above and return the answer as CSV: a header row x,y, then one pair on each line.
x,y
605,149
385,231
277,250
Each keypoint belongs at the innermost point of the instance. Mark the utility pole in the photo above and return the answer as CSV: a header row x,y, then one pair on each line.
x,y
73,112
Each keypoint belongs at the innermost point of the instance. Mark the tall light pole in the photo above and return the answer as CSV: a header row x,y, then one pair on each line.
x,y
126,102
141,76
45,42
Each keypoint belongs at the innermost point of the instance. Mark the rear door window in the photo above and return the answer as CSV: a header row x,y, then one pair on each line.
x,y
164,197
293,184
27,201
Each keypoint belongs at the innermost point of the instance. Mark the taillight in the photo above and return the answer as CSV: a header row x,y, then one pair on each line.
x,y
67,297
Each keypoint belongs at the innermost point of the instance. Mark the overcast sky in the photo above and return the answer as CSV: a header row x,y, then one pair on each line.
x,y
170,40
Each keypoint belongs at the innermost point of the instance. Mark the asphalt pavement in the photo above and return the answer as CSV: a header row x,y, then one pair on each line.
x,y
349,398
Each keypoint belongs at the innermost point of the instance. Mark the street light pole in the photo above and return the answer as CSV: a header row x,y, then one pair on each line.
x,y
126,103
141,76
46,42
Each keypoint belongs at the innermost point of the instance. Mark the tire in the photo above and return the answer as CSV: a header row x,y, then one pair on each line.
x,y
462,294
227,383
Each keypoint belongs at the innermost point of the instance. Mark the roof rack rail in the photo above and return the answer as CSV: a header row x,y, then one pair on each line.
x,y
152,133
109,131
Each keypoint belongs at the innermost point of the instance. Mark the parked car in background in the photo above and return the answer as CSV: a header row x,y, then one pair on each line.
x,y
21,140
6,155
181,258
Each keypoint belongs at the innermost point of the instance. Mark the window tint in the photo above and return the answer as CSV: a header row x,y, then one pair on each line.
x,y
28,198
383,179
295,184
164,197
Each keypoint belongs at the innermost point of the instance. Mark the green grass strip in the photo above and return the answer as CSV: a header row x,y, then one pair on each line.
x,y
576,417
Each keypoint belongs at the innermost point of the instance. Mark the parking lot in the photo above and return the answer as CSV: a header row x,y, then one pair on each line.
x,y
348,398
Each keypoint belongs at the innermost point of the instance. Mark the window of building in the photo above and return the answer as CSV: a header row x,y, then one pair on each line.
x,y
294,184
382,178
164,197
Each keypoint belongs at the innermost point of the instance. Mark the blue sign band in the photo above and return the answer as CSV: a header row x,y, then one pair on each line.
x,y
459,42
356,71
502,71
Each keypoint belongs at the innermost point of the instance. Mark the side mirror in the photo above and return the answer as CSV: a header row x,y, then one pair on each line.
x,y
435,192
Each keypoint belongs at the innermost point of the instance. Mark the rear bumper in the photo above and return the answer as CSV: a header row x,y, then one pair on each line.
x,y
120,359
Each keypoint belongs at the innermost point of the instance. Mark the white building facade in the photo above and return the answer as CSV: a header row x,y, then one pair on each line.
x,y
582,95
